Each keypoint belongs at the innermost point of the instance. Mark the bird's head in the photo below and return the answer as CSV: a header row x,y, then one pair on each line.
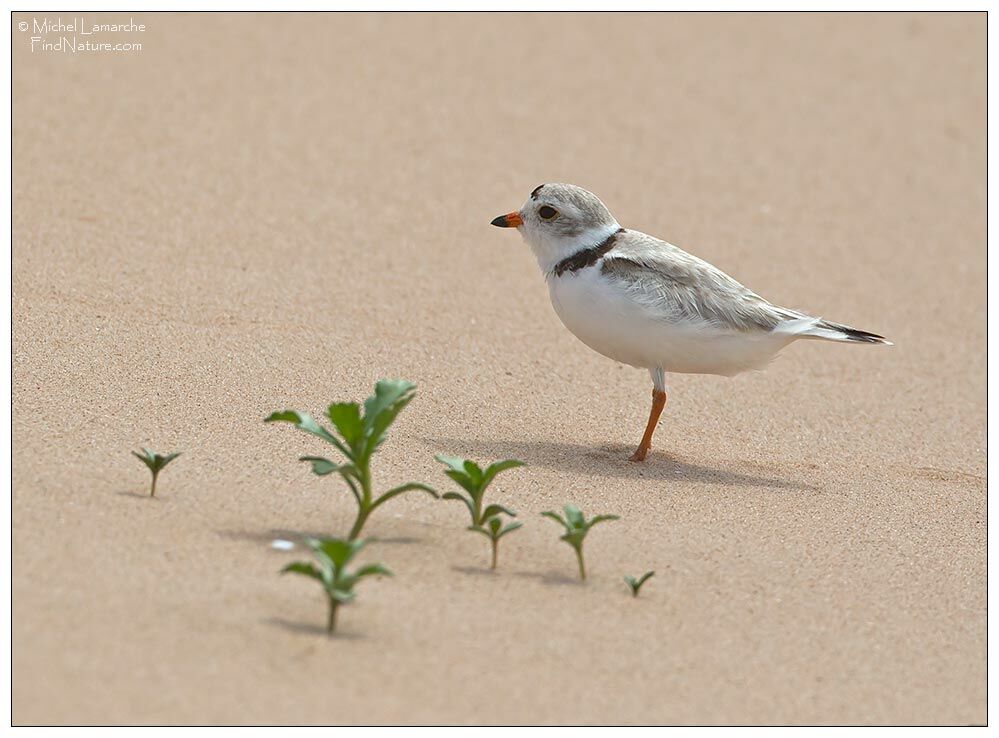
x,y
559,220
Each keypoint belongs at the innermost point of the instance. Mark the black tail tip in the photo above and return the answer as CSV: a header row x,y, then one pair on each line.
x,y
864,336
854,334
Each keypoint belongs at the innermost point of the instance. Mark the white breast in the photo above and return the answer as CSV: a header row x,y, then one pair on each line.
x,y
604,318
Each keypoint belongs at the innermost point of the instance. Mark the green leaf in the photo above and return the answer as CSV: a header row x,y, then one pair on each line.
x,y
575,537
305,568
574,517
320,466
409,486
494,510
381,409
388,393
148,461
510,528
480,529
346,418
350,471
372,569
474,472
601,519
557,518
342,596
498,467
497,530
466,482
468,503
636,584
337,550
168,458
455,462
153,460
305,422
347,471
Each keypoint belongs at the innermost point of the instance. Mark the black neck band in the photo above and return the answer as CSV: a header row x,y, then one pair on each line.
x,y
586,257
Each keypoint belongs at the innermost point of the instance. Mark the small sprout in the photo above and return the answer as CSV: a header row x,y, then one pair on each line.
x,y
357,436
494,530
475,480
636,584
333,555
155,462
576,527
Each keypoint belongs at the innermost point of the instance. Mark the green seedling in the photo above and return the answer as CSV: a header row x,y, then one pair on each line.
x,y
636,584
576,527
333,555
493,529
155,462
474,480
357,436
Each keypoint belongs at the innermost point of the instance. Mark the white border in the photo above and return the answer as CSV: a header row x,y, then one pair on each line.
x,y
481,5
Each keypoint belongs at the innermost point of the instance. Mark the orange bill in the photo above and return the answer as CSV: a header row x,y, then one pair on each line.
x,y
510,220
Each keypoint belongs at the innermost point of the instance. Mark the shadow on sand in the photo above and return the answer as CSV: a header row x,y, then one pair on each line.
x,y
551,578
286,534
311,629
610,460
138,495
478,571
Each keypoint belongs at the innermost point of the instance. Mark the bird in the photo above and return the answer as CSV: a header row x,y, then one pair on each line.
x,y
644,302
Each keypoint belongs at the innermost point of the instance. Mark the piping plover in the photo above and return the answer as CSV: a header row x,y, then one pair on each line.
x,y
644,302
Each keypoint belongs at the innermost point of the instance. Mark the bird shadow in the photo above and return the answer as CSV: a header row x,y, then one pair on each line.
x,y
295,536
311,629
611,460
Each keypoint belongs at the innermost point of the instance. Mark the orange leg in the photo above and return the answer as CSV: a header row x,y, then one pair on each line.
x,y
658,403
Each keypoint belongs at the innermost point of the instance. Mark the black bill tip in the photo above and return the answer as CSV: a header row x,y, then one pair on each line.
x,y
500,222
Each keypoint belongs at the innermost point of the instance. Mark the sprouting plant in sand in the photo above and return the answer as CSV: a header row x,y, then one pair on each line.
x,y
333,555
357,436
576,527
156,462
474,480
636,584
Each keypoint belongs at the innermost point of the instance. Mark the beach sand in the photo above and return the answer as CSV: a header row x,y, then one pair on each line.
x,y
257,212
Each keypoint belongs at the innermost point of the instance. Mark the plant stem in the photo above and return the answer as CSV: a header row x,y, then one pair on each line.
x,y
331,623
477,514
362,516
364,505
495,542
582,567
152,490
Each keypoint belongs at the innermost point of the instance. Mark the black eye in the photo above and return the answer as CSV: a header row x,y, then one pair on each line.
x,y
546,212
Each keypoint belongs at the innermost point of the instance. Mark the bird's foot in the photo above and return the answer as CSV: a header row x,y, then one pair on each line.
x,y
640,453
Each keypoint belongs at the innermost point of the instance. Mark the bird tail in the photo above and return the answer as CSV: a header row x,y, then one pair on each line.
x,y
828,331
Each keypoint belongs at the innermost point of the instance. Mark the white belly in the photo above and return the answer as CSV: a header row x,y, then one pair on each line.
x,y
607,321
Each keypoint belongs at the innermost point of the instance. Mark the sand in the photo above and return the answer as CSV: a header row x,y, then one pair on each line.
x,y
264,211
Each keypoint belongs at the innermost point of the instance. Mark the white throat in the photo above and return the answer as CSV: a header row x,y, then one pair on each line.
x,y
550,251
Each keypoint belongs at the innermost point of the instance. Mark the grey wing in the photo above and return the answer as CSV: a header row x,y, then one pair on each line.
x,y
683,288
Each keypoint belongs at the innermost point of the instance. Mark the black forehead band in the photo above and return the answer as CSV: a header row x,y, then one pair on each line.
x,y
535,191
